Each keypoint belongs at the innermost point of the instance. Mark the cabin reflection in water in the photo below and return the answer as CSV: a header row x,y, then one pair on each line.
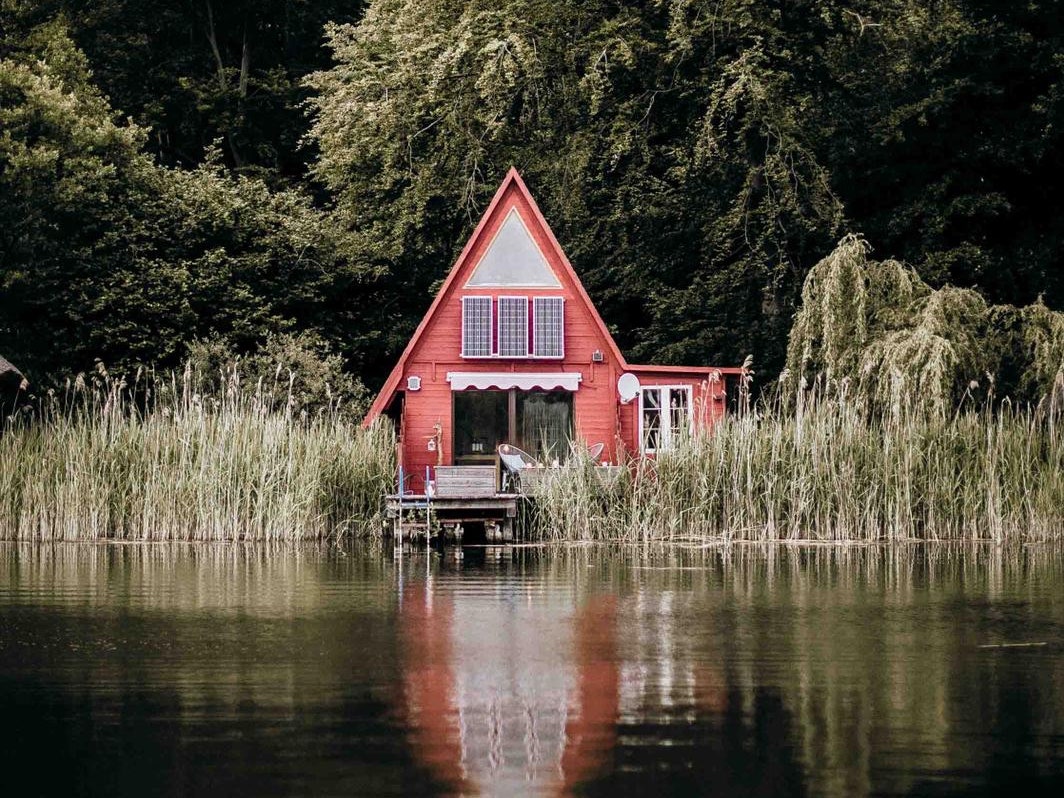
x,y
530,705
492,707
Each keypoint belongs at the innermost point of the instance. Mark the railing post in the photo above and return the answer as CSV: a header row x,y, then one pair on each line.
x,y
399,525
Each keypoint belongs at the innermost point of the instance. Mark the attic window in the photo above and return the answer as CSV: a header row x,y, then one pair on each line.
x,y
476,326
513,259
548,326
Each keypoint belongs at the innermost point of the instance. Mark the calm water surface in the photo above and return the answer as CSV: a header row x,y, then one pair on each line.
x,y
251,670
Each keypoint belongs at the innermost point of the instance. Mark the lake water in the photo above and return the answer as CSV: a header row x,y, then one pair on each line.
x,y
270,670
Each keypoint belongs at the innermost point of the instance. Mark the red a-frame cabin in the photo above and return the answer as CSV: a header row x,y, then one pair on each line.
x,y
513,351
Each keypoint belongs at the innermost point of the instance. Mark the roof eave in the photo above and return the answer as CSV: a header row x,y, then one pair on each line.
x,y
387,392
726,370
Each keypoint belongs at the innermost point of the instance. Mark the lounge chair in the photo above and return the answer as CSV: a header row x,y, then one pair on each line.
x,y
513,460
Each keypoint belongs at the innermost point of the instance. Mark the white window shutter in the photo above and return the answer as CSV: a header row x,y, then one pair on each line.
x,y
476,326
513,326
548,326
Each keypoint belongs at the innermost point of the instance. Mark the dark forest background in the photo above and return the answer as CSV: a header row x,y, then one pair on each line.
x,y
297,176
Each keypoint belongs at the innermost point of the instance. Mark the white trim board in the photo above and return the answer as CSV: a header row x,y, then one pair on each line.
x,y
504,380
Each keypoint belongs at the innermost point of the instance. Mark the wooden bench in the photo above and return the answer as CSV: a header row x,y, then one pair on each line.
x,y
466,481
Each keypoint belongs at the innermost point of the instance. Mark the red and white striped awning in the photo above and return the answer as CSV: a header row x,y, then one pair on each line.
x,y
504,380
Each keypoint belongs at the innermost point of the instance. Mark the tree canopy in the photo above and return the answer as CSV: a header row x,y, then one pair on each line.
x,y
106,254
878,331
175,173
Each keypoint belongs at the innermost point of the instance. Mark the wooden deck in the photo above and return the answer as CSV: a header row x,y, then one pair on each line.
x,y
505,502
468,497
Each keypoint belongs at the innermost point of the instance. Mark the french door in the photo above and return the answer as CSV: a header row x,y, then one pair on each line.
x,y
540,422
664,416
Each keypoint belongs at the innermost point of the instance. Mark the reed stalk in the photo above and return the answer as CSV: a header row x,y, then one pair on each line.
x,y
829,472
158,460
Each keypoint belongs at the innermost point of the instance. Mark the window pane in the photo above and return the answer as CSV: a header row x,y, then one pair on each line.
x,y
480,423
476,326
679,413
513,326
651,419
549,326
513,259
545,423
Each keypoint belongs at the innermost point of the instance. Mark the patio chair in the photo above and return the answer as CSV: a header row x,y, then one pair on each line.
x,y
513,460
579,450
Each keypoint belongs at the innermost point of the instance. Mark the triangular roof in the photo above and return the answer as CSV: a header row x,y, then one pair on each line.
x,y
511,181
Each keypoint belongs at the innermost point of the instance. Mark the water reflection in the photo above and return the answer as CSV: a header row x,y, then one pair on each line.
x,y
504,694
737,671
767,671
562,686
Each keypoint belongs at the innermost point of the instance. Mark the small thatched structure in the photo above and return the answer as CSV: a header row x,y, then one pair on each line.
x,y
11,379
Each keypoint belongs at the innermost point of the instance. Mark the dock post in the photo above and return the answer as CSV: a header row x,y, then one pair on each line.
x,y
399,524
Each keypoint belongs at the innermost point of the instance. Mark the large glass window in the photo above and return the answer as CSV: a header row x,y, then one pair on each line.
x,y
513,259
664,416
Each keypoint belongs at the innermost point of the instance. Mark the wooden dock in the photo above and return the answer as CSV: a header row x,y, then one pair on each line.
x,y
467,499
420,516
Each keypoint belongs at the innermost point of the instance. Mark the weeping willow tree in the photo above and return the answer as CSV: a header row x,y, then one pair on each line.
x,y
878,331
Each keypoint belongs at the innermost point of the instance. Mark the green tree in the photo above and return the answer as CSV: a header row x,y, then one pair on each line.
x,y
104,254
943,137
201,70
665,143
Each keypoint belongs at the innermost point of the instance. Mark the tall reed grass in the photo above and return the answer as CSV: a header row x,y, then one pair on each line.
x,y
158,460
162,461
829,471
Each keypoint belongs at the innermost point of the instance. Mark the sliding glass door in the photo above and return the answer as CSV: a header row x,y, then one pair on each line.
x,y
481,423
540,422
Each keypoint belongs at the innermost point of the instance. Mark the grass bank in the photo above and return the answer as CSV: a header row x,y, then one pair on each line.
x,y
111,461
829,472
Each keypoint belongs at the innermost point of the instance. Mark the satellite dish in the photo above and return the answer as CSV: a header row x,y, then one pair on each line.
x,y
628,387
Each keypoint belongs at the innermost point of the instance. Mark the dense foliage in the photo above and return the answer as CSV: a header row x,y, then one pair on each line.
x,y
198,71
881,334
107,254
696,159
